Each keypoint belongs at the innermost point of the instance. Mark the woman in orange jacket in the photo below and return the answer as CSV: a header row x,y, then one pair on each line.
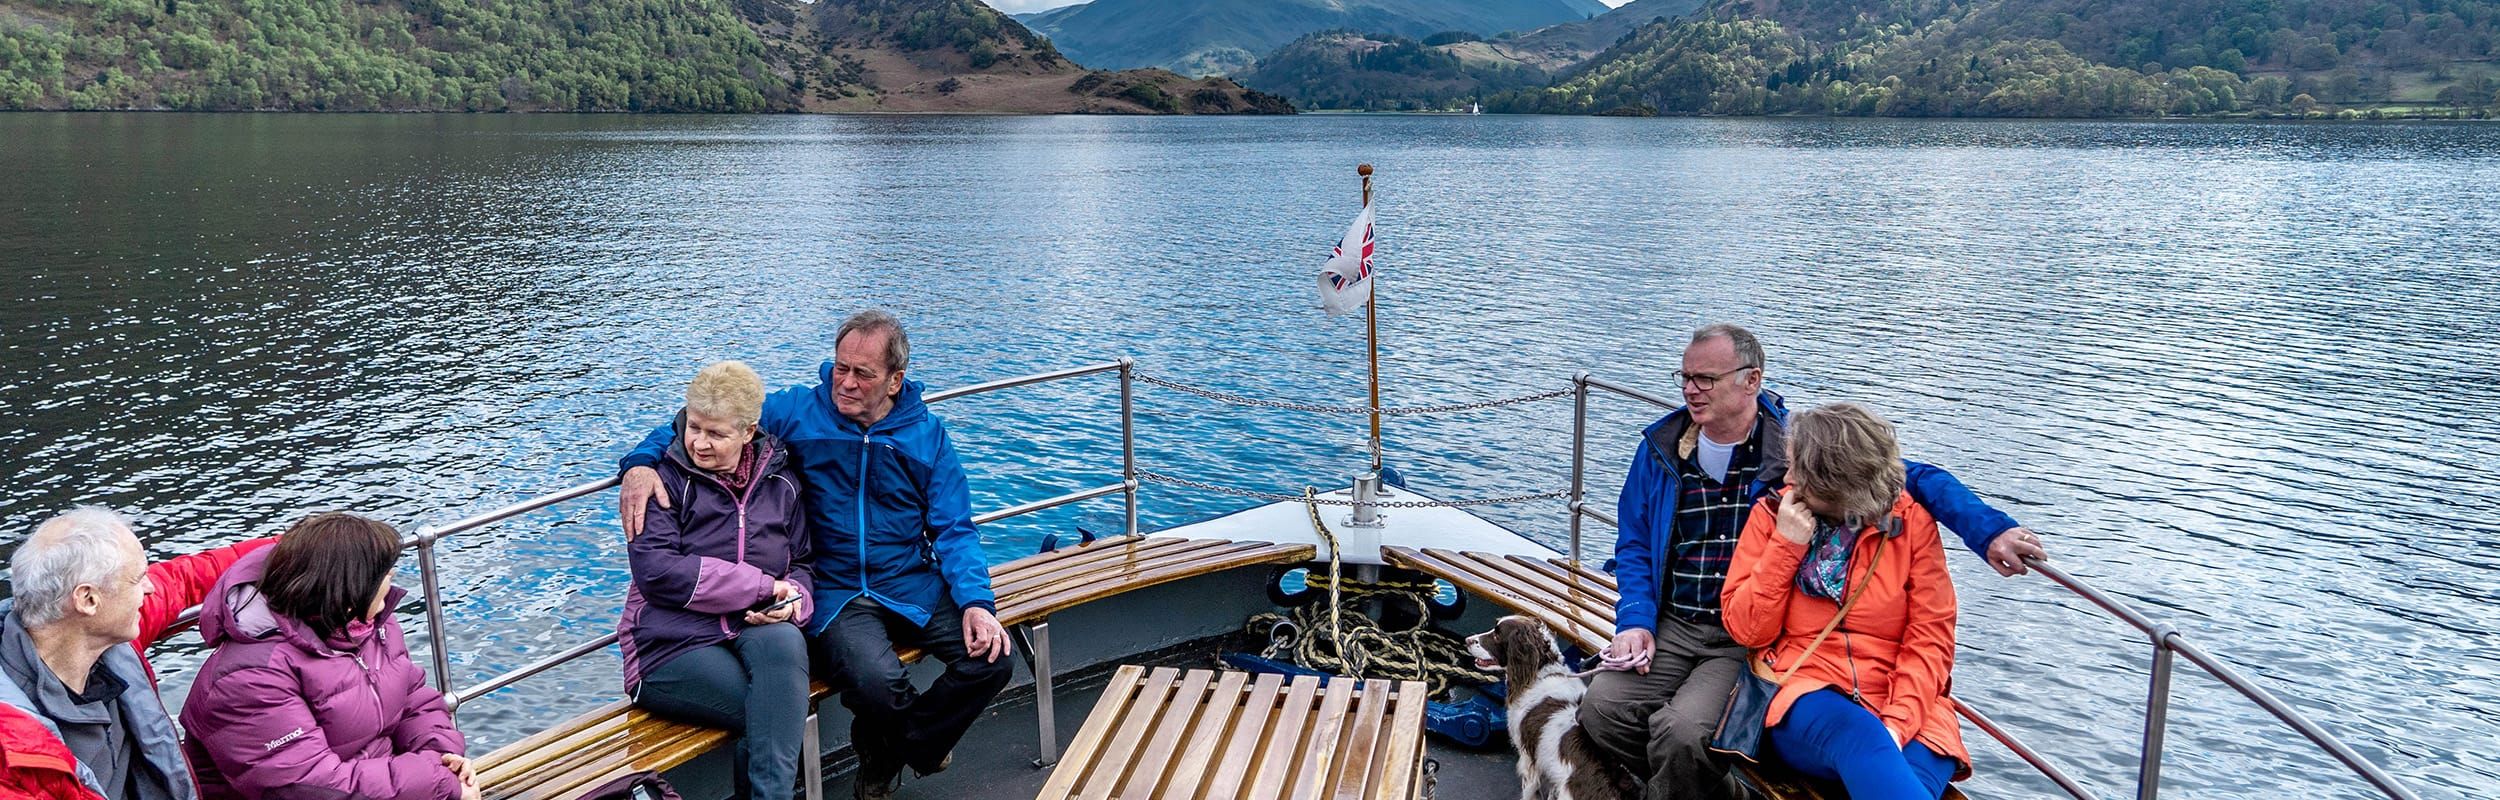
x,y
1868,704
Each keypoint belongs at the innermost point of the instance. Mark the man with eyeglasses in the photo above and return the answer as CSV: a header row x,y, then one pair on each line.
x,y
1694,477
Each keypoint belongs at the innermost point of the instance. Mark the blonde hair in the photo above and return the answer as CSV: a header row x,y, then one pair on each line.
x,y
727,390
1847,458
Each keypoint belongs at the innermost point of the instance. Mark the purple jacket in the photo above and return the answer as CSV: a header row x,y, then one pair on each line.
x,y
279,714
699,567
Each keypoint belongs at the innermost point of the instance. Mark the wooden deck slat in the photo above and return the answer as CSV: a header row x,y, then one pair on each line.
x,y
1403,756
1164,738
1255,716
1206,736
1112,765
1285,738
1080,753
1358,766
1318,763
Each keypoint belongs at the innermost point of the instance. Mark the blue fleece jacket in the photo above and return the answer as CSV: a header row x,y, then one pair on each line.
x,y
888,506
1645,515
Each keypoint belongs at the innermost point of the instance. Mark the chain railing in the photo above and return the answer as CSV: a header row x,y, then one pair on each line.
x,y
1247,401
1151,476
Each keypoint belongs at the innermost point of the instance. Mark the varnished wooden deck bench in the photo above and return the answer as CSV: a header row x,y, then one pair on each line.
x,y
1578,604
1203,734
615,739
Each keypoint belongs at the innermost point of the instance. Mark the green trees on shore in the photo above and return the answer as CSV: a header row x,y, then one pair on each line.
x,y
370,55
2051,58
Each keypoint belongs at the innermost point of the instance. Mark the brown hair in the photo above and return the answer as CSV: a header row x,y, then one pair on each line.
x,y
325,568
1847,458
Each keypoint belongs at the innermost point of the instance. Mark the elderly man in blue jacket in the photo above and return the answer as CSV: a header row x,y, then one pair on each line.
x,y
1694,477
897,558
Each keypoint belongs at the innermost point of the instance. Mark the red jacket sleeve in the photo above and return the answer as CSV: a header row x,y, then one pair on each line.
x,y
182,583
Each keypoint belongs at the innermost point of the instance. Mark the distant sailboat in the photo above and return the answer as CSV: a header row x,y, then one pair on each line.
x,y
1475,108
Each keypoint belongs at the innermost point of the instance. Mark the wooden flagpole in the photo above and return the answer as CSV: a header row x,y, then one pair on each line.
x,y
1371,322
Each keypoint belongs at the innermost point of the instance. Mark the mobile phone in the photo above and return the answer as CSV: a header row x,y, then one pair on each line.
x,y
778,606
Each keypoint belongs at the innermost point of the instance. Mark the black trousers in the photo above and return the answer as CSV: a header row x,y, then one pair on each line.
x,y
754,685
890,718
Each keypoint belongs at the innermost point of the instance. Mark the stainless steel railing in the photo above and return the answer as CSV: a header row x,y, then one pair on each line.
x,y
428,538
2167,642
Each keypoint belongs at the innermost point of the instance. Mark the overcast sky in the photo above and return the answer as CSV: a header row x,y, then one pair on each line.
x,y
1022,6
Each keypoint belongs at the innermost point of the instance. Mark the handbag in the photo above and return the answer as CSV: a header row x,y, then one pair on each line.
x,y
1740,727
640,785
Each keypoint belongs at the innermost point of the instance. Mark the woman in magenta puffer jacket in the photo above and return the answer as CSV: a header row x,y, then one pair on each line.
x,y
311,693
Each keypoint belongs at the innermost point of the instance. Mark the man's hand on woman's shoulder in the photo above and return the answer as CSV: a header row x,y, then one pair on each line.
x,y
641,486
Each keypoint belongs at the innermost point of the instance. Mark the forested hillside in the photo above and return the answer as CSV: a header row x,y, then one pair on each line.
x,y
562,55
1223,36
1376,72
2044,58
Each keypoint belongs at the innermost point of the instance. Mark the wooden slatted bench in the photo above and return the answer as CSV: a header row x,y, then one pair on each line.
x,y
563,761
1203,734
1578,604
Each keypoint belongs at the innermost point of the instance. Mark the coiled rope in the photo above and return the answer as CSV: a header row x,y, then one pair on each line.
x,y
1348,642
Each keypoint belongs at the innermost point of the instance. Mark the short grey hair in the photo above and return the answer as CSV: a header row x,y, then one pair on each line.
x,y
79,547
1748,348
897,345
727,390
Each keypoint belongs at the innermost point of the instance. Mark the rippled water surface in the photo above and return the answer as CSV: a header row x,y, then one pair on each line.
x,y
2242,375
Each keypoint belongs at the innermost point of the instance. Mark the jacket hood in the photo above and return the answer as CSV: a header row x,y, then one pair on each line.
x,y
764,446
908,405
236,611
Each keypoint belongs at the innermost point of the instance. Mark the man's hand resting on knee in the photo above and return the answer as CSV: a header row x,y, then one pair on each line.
x,y
1630,652
984,638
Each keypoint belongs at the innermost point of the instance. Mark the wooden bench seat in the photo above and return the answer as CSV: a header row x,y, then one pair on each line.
x,y
1205,734
1578,604
613,740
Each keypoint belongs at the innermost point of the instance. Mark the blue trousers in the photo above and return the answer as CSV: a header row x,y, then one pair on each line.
x,y
1828,736
755,686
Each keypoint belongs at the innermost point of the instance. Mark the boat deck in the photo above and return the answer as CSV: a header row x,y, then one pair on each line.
x,y
996,759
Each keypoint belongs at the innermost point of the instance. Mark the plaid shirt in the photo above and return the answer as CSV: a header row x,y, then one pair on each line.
x,y
1709,517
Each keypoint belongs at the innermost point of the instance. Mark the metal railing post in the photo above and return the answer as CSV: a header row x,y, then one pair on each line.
x,y
2156,718
1579,455
426,537
1128,439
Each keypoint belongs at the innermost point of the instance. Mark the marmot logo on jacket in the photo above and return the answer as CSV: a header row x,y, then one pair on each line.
x,y
282,740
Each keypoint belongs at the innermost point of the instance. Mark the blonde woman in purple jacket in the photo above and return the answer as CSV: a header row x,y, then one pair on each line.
x,y
719,577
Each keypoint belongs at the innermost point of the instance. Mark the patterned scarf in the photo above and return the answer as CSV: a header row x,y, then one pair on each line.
x,y
1825,571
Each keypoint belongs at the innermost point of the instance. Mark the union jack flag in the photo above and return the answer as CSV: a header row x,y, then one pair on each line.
x,y
1345,282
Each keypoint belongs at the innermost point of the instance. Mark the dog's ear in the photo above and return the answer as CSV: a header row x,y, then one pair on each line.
x,y
1518,635
1529,635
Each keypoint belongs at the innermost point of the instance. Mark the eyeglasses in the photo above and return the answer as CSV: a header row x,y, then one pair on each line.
x,y
1704,382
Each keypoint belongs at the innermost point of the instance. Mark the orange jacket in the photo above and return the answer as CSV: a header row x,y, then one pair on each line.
x,y
1895,649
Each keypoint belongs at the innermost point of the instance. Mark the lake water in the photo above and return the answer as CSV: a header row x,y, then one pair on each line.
x,y
2243,375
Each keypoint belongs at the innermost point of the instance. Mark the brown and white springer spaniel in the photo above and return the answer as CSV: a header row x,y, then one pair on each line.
x,y
1556,759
